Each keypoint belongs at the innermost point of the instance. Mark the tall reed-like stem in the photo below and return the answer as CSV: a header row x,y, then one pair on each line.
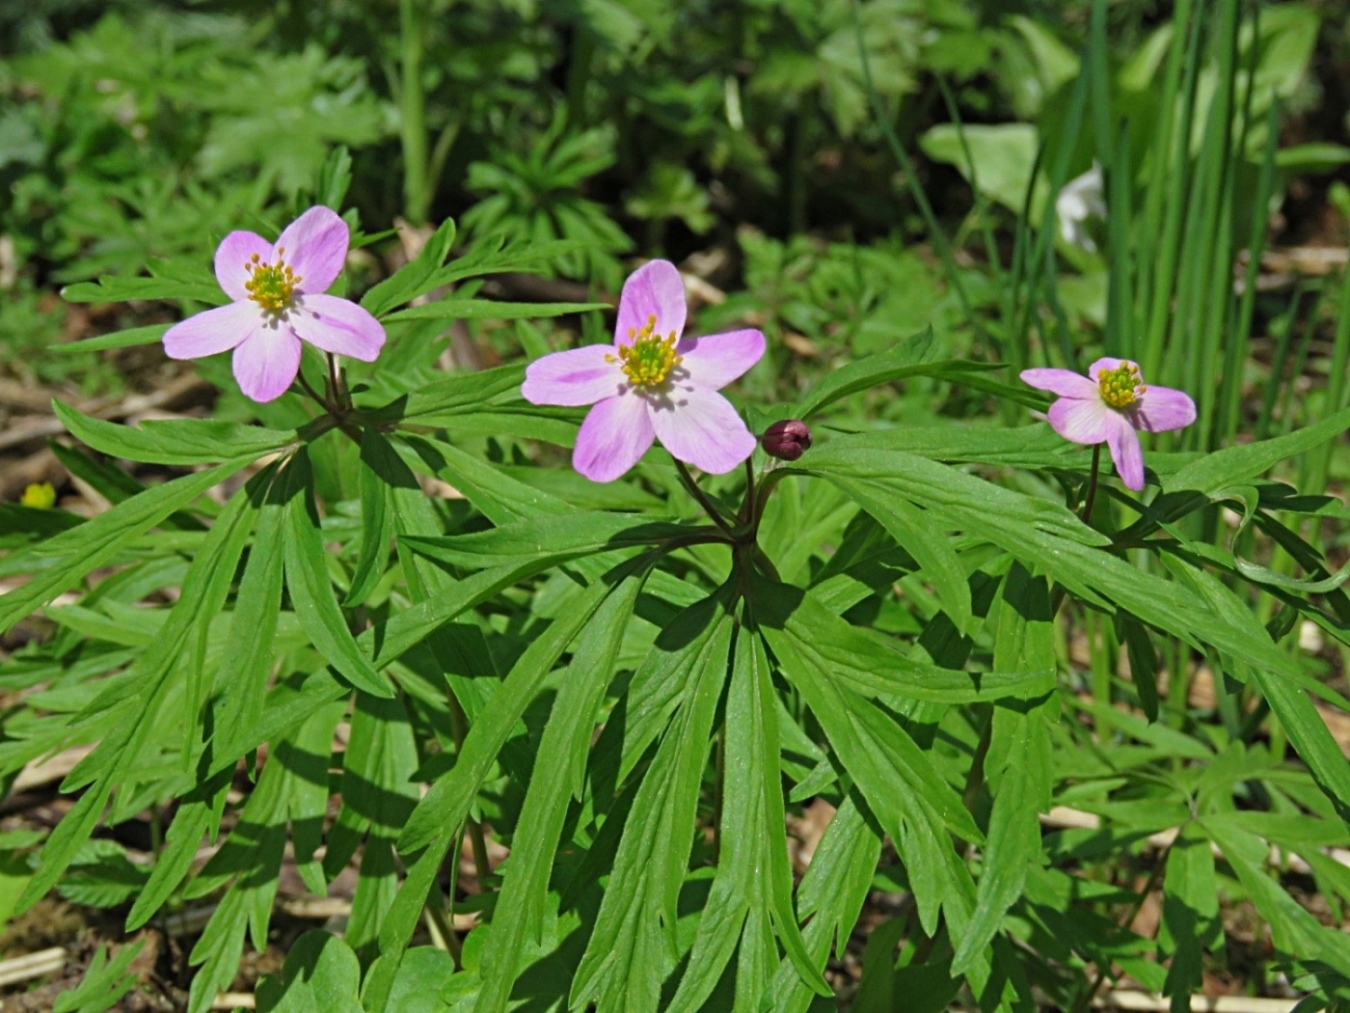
x,y
412,113
936,233
579,74
459,730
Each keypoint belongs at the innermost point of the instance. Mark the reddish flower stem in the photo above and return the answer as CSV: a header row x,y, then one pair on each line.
x,y
701,496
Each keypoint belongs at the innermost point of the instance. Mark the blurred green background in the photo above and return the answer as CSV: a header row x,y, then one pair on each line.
x,y
763,144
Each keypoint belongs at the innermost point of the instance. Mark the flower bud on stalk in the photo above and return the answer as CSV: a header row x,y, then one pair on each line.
x,y
787,440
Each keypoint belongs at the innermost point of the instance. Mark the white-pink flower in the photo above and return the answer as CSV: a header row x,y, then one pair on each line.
x,y
1109,406
279,301
651,384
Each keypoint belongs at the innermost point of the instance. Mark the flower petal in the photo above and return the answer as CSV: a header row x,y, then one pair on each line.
x,y
714,360
615,435
1064,382
1082,420
1126,453
266,364
1083,196
576,377
702,428
337,325
1094,371
1161,409
653,290
1075,233
216,330
315,246
233,256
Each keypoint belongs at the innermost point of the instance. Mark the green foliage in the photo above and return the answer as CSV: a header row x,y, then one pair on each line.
x,y
30,330
320,976
106,982
532,196
947,732
847,300
112,121
101,876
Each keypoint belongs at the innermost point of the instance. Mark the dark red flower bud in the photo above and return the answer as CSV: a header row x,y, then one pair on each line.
x,y
786,440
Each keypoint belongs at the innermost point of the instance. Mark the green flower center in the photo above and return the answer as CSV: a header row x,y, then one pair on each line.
x,y
271,286
1121,387
649,358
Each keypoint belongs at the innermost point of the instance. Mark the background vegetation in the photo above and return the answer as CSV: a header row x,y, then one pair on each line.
x,y
842,175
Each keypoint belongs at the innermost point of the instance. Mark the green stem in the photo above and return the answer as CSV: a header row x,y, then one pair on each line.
x,y
579,75
444,925
935,231
481,863
1091,499
412,114
747,513
766,487
156,834
1320,460
975,779
322,401
688,480
334,381
459,730
336,406
1085,1000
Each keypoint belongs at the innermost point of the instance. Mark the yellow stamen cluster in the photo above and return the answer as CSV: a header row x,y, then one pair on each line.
x,y
1121,387
271,286
39,496
649,358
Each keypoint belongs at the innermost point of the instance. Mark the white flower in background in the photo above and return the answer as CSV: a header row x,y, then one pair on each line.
x,y
1080,199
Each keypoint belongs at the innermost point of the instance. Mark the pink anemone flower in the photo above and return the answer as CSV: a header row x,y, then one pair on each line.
x,y
279,301
1110,405
651,384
